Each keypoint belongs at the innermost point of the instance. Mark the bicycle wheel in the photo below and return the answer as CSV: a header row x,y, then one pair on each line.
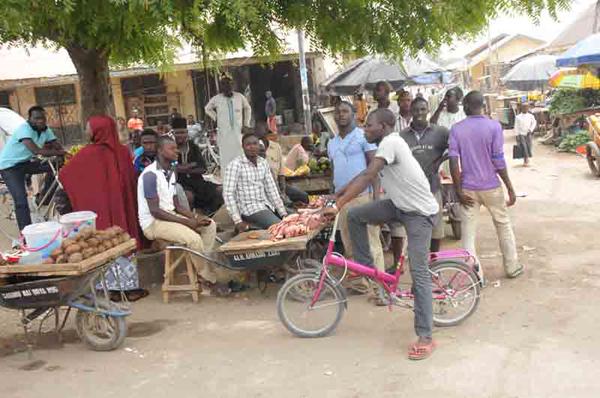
x,y
297,315
455,293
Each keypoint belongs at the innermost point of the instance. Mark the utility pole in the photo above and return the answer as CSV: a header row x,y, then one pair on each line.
x,y
304,83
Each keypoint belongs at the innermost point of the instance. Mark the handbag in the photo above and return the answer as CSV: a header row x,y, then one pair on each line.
x,y
517,152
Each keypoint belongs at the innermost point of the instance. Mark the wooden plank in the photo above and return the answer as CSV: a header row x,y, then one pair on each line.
x,y
241,243
69,269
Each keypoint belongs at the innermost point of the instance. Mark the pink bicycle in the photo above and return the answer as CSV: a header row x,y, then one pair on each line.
x,y
311,304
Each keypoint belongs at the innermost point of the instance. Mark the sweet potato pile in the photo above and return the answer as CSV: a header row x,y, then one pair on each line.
x,y
87,243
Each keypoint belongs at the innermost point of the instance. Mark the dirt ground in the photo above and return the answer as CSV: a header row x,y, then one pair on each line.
x,y
532,337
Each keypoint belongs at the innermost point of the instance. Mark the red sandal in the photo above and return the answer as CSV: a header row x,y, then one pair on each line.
x,y
417,352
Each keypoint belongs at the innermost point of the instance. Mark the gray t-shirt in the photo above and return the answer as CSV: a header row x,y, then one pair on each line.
x,y
402,178
428,148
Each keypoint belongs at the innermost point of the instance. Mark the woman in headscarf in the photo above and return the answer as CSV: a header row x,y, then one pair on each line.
x,y
101,178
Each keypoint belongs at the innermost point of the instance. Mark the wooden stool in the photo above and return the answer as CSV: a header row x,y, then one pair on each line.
x,y
172,261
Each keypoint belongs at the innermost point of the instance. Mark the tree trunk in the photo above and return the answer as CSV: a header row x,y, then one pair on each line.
x,y
94,81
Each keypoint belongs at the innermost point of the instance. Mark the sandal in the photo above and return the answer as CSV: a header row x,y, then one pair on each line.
x,y
417,352
516,274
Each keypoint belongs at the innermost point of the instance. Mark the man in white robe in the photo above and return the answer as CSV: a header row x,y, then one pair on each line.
x,y
231,111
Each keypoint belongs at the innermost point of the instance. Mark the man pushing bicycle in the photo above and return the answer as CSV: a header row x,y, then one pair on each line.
x,y
408,201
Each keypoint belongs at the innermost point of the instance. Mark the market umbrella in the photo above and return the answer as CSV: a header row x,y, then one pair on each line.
x,y
574,78
363,74
422,70
585,52
531,73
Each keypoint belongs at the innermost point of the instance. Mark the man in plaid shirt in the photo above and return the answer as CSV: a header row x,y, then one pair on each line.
x,y
249,191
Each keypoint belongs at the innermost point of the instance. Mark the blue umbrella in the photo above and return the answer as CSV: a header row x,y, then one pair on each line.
x,y
585,52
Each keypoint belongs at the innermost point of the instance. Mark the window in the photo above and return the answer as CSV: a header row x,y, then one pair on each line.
x,y
55,95
143,85
4,99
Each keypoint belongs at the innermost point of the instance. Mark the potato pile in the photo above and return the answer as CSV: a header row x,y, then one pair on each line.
x,y
87,243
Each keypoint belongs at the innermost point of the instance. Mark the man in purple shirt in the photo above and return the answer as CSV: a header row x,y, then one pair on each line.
x,y
476,161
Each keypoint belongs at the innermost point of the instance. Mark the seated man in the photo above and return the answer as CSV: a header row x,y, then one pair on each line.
x,y
299,154
274,156
31,138
205,195
249,190
145,154
161,215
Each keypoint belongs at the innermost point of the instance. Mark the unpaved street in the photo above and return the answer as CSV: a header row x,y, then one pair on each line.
x,y
533,337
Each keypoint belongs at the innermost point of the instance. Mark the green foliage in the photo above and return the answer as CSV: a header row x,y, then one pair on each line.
x,y
569,100
150,31
570,142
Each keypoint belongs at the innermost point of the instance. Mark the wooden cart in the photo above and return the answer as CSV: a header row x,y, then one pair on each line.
x,y
39,290
244,253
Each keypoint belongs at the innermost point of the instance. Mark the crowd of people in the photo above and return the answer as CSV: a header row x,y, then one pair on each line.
x,y
386,170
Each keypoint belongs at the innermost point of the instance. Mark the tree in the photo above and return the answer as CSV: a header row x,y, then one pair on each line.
x,y
126,32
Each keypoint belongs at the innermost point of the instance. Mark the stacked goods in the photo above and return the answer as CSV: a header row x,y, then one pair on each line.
x,y
87,243
296,225
301,171
319,166
73,151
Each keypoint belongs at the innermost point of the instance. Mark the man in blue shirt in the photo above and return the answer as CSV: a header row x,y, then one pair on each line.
x,y
30,139
350,154
146,153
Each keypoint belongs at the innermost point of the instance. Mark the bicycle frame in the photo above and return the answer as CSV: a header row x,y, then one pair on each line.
x,y
388,281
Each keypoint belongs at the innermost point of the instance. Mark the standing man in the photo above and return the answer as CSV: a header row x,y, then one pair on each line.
x,y
476,160
404,109
449,111
231,111
381,94
135,123
524,125
408,201
362,108
428,143
271,111
350,154
16,159
249,190
135,126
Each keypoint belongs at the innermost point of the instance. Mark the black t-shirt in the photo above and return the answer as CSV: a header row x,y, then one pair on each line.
x,y
428,149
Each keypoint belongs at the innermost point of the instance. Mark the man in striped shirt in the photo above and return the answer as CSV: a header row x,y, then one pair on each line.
x,y
249,190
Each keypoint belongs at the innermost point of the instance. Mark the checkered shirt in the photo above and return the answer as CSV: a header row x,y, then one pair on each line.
x,y
249,188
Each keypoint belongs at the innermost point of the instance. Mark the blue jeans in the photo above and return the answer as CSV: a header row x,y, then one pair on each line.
x,y
418,229
262,219
14,178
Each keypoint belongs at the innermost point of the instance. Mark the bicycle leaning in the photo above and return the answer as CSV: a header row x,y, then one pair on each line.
x,y
312,303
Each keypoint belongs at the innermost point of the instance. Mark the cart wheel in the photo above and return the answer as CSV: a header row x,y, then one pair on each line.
x,y
456,229
100,332
593,160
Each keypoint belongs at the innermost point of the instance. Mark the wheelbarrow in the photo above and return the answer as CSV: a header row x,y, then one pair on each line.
x,y
100,323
